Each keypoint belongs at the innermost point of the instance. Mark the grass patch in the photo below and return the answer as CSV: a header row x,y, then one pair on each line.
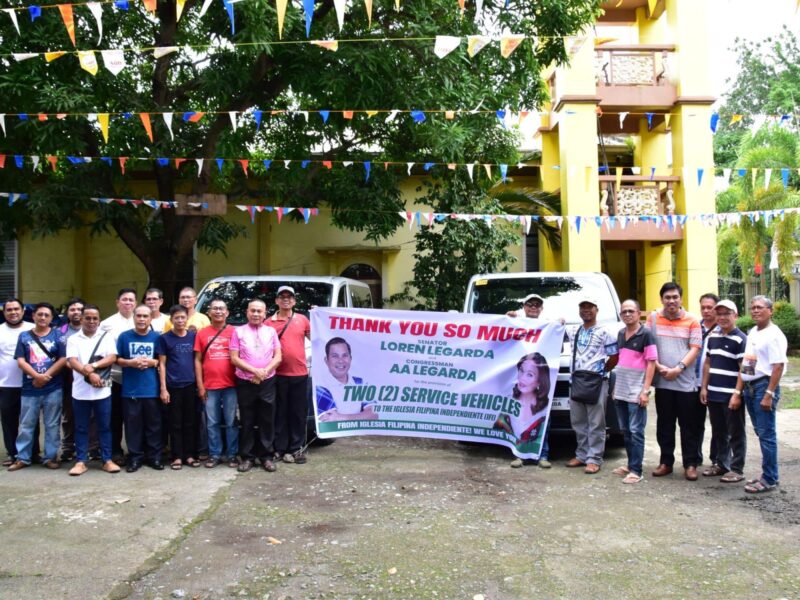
x,y
790,398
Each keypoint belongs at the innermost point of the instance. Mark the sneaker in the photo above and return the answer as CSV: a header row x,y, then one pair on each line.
x,y
18,465
78,469
111,467
516,463
544,463
298,457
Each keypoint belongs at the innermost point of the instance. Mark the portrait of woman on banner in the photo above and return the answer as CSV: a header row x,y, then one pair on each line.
x,y
532,391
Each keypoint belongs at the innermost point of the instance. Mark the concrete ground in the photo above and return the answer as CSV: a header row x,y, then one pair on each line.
x,y
401,518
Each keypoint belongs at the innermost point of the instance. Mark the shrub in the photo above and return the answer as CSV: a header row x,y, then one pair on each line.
x,y
784,316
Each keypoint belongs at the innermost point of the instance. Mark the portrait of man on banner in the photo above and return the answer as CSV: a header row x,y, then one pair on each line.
x,y
334,403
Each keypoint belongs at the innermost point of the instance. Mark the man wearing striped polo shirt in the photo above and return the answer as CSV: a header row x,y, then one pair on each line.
x,y
679,339
725,350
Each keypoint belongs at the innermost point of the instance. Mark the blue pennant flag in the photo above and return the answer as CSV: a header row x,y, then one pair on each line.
x,y
308,7
162,162
304,164
107,160
75,160
652,173
23,116
741,172
267,162
418,116
367,169
503,172
501,116
428,166
598,221
127,115
219,164
324,114
714,122
188,115
229,8
649,120
121,4
306,214
700,176
36,12
784,119
603,168
18,160
785,177
257,117
578,224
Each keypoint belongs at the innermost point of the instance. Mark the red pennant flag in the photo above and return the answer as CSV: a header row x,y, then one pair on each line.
x,y
150,5
69,22
279,212
122,161
179,162
42,117
196,117
245,163
61,116
52,160
145,117
327,164
347,114
2,161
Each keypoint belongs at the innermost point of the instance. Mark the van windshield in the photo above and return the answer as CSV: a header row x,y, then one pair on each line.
x,y
561,296
238,293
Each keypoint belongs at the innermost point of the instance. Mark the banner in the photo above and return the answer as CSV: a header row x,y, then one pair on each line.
x,y
477,378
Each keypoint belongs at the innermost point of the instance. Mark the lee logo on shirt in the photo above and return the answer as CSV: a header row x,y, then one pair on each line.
x,y
138,349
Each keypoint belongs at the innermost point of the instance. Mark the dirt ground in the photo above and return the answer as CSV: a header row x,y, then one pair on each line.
x,y
402,518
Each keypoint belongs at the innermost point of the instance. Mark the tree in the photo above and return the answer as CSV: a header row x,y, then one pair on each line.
x,y
254,70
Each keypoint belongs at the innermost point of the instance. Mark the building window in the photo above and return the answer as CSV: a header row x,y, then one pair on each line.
x,y
8,270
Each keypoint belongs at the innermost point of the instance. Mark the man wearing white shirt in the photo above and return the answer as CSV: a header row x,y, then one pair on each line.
x,y
154,299
120,321
331,403
11,377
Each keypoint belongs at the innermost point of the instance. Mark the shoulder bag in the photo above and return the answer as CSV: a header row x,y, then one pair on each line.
x,y
104,374
585,386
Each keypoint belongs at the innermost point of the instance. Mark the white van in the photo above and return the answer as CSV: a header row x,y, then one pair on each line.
x,y
498,293
310,291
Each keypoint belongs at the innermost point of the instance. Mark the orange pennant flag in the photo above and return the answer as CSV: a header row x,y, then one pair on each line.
x,y
61,116
196,117
69,21
327,164
145,117
509,43
150,5
122,161
347,114
332,45
449,114
523,114
451,166
179,162
368,6
42,116
102,118
245,163
52,160
461,6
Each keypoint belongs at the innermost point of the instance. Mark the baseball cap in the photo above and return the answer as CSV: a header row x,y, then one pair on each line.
x,y
727,304
586,298
285,288
530,297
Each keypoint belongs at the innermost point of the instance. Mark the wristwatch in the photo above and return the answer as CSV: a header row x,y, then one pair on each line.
x,y
681,366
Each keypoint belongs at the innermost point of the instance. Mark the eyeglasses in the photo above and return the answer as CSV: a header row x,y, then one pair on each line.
x,y
627,312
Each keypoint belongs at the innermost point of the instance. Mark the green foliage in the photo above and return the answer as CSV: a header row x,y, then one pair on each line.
x,y
784,316
259,73
745,323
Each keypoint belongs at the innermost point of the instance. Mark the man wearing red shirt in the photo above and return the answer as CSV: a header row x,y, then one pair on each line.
x,y
292,378
216,385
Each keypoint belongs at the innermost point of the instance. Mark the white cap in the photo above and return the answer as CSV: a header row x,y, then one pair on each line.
x,y
285,288
727,304
586,298
530,297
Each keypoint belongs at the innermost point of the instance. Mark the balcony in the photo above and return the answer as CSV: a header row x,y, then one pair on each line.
x,y
638,196
634,78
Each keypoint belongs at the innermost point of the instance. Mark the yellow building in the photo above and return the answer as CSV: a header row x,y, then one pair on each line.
x,y
642,72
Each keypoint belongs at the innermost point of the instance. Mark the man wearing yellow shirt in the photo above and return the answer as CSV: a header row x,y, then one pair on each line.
x,y
197,321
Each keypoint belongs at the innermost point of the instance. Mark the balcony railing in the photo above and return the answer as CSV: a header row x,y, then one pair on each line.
x,y
638,196
647,65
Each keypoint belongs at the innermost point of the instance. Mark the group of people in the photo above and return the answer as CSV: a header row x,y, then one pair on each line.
x,y
156,380
695,366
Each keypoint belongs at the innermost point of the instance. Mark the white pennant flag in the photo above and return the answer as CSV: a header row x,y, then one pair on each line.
x,y
767,177
35,160
97,13
340,6
286,164
114,60
347,163
636,170
392,116
13,14
199,162
471,170
206,4
411,164
20,56
164,50
478,8
168,123
622,116
3,123
726,175
232,115
305,114
445,44
476,43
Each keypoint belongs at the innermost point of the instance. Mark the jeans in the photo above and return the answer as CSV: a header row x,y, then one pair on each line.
x,y
10,402
764,424
632,421
589,423
50,406
727,427
82,410
221,410
684,408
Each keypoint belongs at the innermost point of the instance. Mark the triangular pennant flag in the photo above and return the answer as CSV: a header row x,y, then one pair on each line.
x,y
735,119
700,176
251,210
19,160
220,162
286,164
478,9
445,44
232,115
339,6
206,4
509,43
145,117
785,177
418,116
3,123
229,9
488,169
367,169
714,122
348,163
368,7
392,116
245,164
2,161
114,60
726,175
347,114
503,172
578,224
767,177
53,160
35,160
35,12
371,113
409,165
13,16
280,6
332,45
150,5
306,214
618,178
102,119
69,20
199,162
324,114
476,43
649,116
179,162
257,118
179,9
308,7
97,13
160,51
88,61
122,161
622,116
51,56
327,164
279,213
168,122
470,170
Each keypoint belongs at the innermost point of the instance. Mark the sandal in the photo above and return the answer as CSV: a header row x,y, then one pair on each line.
x,y
632,478
621,470
212,462
759,487
193,462
233,463
731,477
713,471
176,465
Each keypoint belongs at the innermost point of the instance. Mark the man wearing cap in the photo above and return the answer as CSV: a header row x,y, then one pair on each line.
x,y
532,306
724,353
679,339
594,349
291,408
